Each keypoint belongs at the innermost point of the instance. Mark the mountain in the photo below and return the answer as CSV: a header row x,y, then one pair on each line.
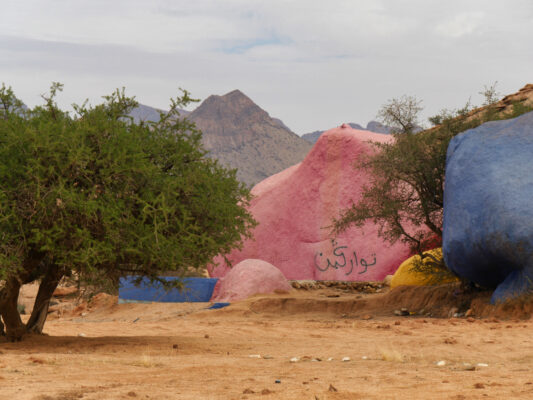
x,y
147,113
372,126
241,135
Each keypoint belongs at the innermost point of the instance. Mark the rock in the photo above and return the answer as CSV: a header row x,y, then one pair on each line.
x,y
82,335
482,365
277,381
293,207
254,356
440,363
402,312
452,312
267,357
294,360
487,229
248,391
408,275
345,359
266,391
387,280
248,278
479,386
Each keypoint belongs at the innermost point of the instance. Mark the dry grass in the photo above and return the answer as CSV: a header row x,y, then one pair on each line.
x,y
391,355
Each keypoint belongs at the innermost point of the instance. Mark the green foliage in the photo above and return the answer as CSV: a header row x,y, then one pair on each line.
x,y
401,115
405,194
102,196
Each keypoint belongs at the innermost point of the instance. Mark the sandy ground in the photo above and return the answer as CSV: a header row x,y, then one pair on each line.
x,y
244,351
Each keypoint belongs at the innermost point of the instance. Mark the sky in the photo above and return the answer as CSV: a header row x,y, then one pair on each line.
x,y
314,64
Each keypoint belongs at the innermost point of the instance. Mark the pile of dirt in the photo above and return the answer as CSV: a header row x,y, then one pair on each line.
x,y
442,301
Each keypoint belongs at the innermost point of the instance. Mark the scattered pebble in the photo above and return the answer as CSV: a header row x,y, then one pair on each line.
x,y
316,359
254,356
294,359
366,317
364,358
345,359
441,363
174,346
248,391
206,336
401,312
469,367
482,365
266,391
82,335
330,359
277,381
268,357
479,385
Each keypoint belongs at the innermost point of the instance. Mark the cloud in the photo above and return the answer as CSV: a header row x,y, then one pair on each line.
x,y
314,64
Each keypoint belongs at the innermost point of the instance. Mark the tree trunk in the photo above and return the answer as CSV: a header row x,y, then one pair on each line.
x,y
42,301
8,309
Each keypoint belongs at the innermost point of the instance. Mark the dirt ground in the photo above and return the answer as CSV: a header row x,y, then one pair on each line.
x,y
344,344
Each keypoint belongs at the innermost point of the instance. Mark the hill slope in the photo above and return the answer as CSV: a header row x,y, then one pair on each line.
x,y
241,135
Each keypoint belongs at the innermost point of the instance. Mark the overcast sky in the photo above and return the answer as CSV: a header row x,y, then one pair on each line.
x,y
312,63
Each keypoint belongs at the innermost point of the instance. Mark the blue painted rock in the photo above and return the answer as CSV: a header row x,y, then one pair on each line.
x,y
488,206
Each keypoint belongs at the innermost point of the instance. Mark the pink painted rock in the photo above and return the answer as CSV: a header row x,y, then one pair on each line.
x,y
295,207
250,277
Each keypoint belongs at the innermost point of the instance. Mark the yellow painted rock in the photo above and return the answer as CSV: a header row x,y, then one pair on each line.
x,y
413,272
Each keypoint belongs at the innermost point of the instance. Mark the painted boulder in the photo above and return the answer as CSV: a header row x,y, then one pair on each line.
x,y
248,278
425,275
295,209
488,206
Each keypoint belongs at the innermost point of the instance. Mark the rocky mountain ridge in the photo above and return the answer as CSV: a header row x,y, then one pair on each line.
x,y
372,126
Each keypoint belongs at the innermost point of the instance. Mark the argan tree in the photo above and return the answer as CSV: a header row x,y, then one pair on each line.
x,y
405,194
97,195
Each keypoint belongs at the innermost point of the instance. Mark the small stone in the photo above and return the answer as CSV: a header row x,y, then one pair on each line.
x,y
330,359
268,357
266,391
254,356
83,314
248,391
277,381
401,312
316,359
294,359
206,336
470,319
174,346
366,317
132,394
364,358
82,335
479,385
469,367
482,365
397,323
452,311
346,359
441,363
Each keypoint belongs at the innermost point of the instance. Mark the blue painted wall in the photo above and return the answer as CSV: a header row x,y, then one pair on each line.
x,y
195,290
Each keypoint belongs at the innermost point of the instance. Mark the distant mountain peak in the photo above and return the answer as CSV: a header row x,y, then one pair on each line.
x,y
242,135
